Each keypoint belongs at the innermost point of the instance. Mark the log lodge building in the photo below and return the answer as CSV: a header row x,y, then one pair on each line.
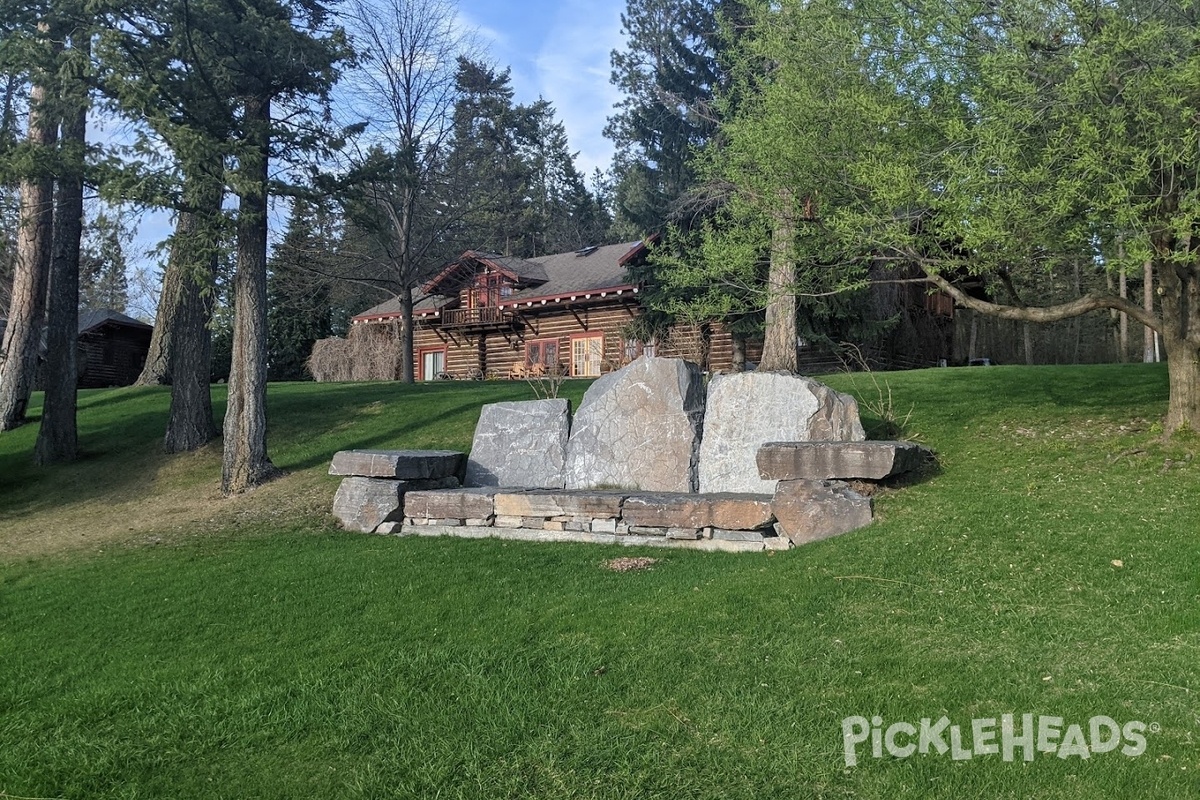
x,y
487,315
492,316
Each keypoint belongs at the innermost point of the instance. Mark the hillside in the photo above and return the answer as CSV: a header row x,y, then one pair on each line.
x,y
161,641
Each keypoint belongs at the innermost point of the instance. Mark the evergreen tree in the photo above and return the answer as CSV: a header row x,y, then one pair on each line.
x,y
102,280
299,290
486,168
670,72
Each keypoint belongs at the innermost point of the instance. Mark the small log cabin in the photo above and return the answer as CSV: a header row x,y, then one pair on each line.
x,y
112,349
494,316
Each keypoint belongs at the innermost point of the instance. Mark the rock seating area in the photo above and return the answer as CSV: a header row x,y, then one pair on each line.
x,y
769,452
729,522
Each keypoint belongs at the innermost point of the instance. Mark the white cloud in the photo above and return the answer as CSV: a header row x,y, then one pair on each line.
x,y
573,73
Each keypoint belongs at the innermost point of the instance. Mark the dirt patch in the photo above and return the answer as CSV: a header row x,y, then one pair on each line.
x,y
629,564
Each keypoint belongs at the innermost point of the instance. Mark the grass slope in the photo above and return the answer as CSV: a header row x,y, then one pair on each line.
x,y
255,651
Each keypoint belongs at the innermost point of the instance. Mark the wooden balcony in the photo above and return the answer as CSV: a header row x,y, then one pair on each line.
x,y
477,318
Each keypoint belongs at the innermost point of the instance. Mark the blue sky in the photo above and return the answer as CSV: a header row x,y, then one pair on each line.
x,y
558,50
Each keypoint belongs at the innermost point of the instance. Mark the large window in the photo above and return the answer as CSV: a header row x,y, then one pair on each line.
x,y
543,353
587,351
433,363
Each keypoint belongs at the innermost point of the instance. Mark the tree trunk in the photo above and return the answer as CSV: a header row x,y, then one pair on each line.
x,y
1123,333
27,310
406,335
1148,351
1028,334
157,369
245,463
1077,323
1180,304
973,341
738,344
190,424
779,345
57,439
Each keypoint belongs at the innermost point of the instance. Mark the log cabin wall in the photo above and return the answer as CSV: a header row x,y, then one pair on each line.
x,y
111,355
494,352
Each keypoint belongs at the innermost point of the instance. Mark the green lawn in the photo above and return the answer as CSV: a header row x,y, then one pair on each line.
x,y
157,641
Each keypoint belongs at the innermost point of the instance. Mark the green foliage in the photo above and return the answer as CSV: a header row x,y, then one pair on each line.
x,y
669,73
512,168
300,290
102,280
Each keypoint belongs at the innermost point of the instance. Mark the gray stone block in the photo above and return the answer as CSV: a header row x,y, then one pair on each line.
x,y
403,464
812,510
639,428
747,410
721,510
737,536
576,505
520,444
817,461
452,503
363,504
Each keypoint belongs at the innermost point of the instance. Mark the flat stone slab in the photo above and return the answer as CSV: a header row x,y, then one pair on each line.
x,y
402,464
679,510
592,504
816,461
520,444
811,510
639,429
471,503
747,410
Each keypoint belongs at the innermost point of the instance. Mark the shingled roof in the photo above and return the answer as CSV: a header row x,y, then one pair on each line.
x,y
94,319
568,276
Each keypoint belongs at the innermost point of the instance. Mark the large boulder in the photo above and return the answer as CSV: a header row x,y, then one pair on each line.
x,y
520,444
639,428
748,409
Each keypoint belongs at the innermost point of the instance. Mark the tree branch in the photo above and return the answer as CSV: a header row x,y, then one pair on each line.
x,y
1074,308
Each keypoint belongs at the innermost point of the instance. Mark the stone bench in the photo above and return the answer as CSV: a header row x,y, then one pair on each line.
x,y
817,461
375,482
540,473
725,521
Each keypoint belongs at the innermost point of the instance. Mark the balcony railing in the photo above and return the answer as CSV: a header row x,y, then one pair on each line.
x,y
476,317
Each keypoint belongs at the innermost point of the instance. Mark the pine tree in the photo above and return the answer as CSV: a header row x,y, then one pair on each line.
x,y
102,264
670,72
300,290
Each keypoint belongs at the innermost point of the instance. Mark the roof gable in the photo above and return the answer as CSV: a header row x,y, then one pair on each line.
x,y
587,272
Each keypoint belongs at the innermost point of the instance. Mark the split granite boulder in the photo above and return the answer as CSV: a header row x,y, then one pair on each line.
x,y
746,410
639,428
520,444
